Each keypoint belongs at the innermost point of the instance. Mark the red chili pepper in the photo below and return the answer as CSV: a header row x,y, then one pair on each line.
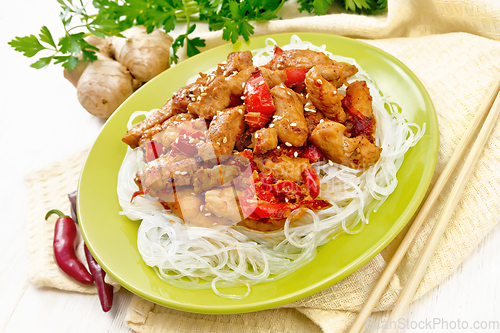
x,y
312,181
104,290
153,150
312,153
249,155
276,211
64,248
295,76
264,192
258,100
287,189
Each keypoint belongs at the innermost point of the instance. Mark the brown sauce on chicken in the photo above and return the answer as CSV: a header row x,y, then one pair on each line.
x,y
237,145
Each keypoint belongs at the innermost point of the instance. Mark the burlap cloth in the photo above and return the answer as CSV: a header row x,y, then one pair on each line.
x,y
453,46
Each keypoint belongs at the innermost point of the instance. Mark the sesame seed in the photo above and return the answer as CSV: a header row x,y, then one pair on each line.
x,y
224,140
330,162
256,135
199,98
278,147
271,126
261,83
201,208
208,214
240,111
183,173
204,94
191,140
319,81
322,120
293,124
296,154
288,144
177,172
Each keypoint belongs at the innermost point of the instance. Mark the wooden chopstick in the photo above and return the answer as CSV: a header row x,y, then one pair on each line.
x,y
425,209
406,295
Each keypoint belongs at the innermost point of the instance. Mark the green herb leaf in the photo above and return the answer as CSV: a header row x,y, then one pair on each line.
x,y
28,45
46,36
42,62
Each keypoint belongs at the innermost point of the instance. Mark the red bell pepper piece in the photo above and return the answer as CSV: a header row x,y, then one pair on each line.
x,y
312,181
258,100
153,150
295,76
312,153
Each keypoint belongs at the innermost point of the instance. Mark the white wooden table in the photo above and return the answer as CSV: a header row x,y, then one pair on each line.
x,y
42,122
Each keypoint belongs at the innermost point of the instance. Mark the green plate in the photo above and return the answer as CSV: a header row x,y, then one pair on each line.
x,y
112,238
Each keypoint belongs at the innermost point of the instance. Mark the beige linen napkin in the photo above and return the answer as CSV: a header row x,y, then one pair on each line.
x,y
456,68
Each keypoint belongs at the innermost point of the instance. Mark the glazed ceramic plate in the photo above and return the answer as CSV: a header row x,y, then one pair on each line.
x,y
112,237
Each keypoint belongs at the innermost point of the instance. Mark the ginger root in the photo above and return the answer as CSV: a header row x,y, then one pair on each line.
x,y
123,65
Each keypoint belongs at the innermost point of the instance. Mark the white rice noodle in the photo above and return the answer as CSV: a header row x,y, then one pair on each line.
x,y
199,258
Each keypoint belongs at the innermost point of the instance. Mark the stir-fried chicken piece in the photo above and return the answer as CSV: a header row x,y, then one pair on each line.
x,y
273,77
178,123
289,118
172,121
213,97
206,179
222,202
236,61
226,127
357,153
283,167
190,207
236,81
337,73
324,96
358,106
160,173
153,119
298,59
264,140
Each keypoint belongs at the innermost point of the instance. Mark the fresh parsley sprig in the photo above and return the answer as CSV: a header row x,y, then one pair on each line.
x,y
111,17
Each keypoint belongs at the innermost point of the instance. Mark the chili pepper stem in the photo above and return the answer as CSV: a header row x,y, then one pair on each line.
x,y
55,211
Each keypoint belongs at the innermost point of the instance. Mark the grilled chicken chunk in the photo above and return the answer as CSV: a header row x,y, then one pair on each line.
x,y
222,202
358,106
235,62
289,118
337,73
226,127
357,152
154,119
283,167
298,59
324,96
213,97
273,78
264,140
173,121
206,179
